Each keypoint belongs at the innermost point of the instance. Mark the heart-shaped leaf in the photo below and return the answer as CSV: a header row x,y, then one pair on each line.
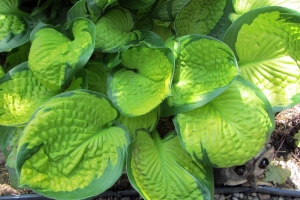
x,y
71,148
269,59
54,62
204,68
144,81
199,16
240,7
115,29
230,129
21,93
160,169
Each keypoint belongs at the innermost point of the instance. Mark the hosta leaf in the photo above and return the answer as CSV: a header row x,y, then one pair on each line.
x,y
17,56
144,81
230,129
97,7
78,10
270,59
14,31
224,23
21,93
152,39
10,7
143,18
96,76
163,30
79,81
103,4
9,138
160,169
167,10
147,121
204,68
199,16
135,4
71,148
54,62
242,6
114,29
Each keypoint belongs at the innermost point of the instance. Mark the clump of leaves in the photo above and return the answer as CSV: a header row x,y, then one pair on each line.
x,y
85,83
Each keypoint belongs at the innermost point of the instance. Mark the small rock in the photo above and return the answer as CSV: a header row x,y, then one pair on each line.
x,y
253,194
255,198
228,196
274,198
249,197
217,196
236,194
241,195
222,197
263,196
280,198
235,198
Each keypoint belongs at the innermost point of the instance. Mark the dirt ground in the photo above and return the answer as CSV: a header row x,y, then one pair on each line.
x,y
286,152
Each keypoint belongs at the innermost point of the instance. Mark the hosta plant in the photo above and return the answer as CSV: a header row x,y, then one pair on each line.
x,y
84,85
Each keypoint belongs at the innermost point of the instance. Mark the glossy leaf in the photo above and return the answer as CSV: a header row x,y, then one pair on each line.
x,y
270,59
147,121
242,6
204,68
199,16
21,93
115,29
230,129
54,62
160,169
65,153
144,81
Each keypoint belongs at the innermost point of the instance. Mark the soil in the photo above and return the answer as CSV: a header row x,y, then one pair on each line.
x,y
282,138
